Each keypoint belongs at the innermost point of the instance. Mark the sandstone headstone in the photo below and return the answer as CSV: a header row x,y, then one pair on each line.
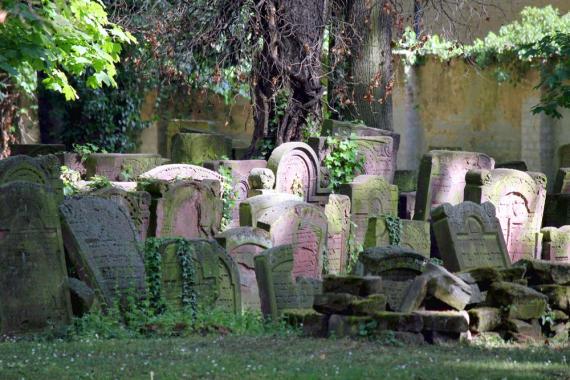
x,y
184,125
296,169
519,199
369,196
243,244
102,244
397,266
198,147
441,178
378,153
121,166
254,206
278,288
556,244
337,211
33,275
415,235
174,172
469,236
215,279
406,180
348,128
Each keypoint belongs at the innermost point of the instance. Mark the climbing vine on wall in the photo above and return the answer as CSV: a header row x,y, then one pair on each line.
x,y
153,268
394,227
184,253
343,162
229,196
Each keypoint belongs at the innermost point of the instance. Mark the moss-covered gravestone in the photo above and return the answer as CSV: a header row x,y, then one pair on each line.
x,y
136,202
337,211
121,166
243,244
198,147
43,170
349,128
175,172
414,234
370,196
378,154
102,244
397,266
519,199
198,273
252,207
469,236
556,244
279,289
441,178
33,295
189,209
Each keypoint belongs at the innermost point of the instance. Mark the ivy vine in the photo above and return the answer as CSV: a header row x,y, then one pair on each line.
x,y
343,162
153,268
229,196
395,227
189,297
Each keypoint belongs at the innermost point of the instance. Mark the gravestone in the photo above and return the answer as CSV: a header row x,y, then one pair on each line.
x,y
296,169
121,166
279,289
185,125
102,245
34,150
441,178
337,211
556,244
198,147
349,128
562,184
254,206
304,227
260,181
72,161
215,275
243,244
415,235
240,171
564,156
33,295
137,203
519,199
397,266
175,172
43,170
189,209
406,180
370,196
378,153
469,236
517,165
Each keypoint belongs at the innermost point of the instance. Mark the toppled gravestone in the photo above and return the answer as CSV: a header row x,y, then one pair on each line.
x,y
243,244
413,235
102,245
469,235
520,302
33,292
351,295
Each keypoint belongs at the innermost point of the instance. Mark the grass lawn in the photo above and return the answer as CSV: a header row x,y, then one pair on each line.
x,y
244,357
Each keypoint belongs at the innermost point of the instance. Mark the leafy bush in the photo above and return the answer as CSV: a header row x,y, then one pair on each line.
x,y
343,161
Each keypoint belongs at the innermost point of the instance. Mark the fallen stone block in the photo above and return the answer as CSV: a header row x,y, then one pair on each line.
x,y
483,319
369,305
512,274
545,272
312,323
444,321
482,276
82,296
523,332
334,303
559,315
398,321
558,296
519,302
447,287
355,285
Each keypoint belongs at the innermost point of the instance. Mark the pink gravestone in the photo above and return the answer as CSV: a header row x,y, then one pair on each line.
x,y
175,172
378,153
337,211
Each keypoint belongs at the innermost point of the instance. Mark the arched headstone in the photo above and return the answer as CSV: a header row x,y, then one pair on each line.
x,y
174,172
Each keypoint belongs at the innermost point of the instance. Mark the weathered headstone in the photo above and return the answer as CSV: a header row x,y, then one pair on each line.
x,y
304,227
397,266
370,196
296,169
519,199
349,128
254,206
378,153
415,235
441,178
121,166
136,202
102,245
189,209
260,181
406,180
279,289
198,147
214,275
469,236
243,244
186,125
174,172
556,244
43,170
337,211
33,294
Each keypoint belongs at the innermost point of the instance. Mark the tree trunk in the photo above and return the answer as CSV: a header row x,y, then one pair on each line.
x,y
371,63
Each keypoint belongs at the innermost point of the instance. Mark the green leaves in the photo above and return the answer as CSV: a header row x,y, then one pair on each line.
x,y
343,161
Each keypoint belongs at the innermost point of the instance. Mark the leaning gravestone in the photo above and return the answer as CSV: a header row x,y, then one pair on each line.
x,y
414,235
279,289
243,244
296,169
441,178
556,244
102,245
337,211
43,170
370,196
213,277
304,227
397,266
519,199
469,236
121,166
136,202
33,295
175,172
189,209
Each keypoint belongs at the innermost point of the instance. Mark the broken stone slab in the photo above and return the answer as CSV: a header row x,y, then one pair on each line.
x,y
82,296
334,303
540,272
346,325
444,321
355,285
558,296
312,323
512,274
518,301
522,331
369,305
482,276
177,172
484,319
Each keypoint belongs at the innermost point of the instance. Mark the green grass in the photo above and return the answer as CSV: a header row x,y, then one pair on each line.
x,y
248,357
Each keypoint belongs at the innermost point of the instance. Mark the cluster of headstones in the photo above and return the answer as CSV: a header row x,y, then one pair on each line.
x,y
287,228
